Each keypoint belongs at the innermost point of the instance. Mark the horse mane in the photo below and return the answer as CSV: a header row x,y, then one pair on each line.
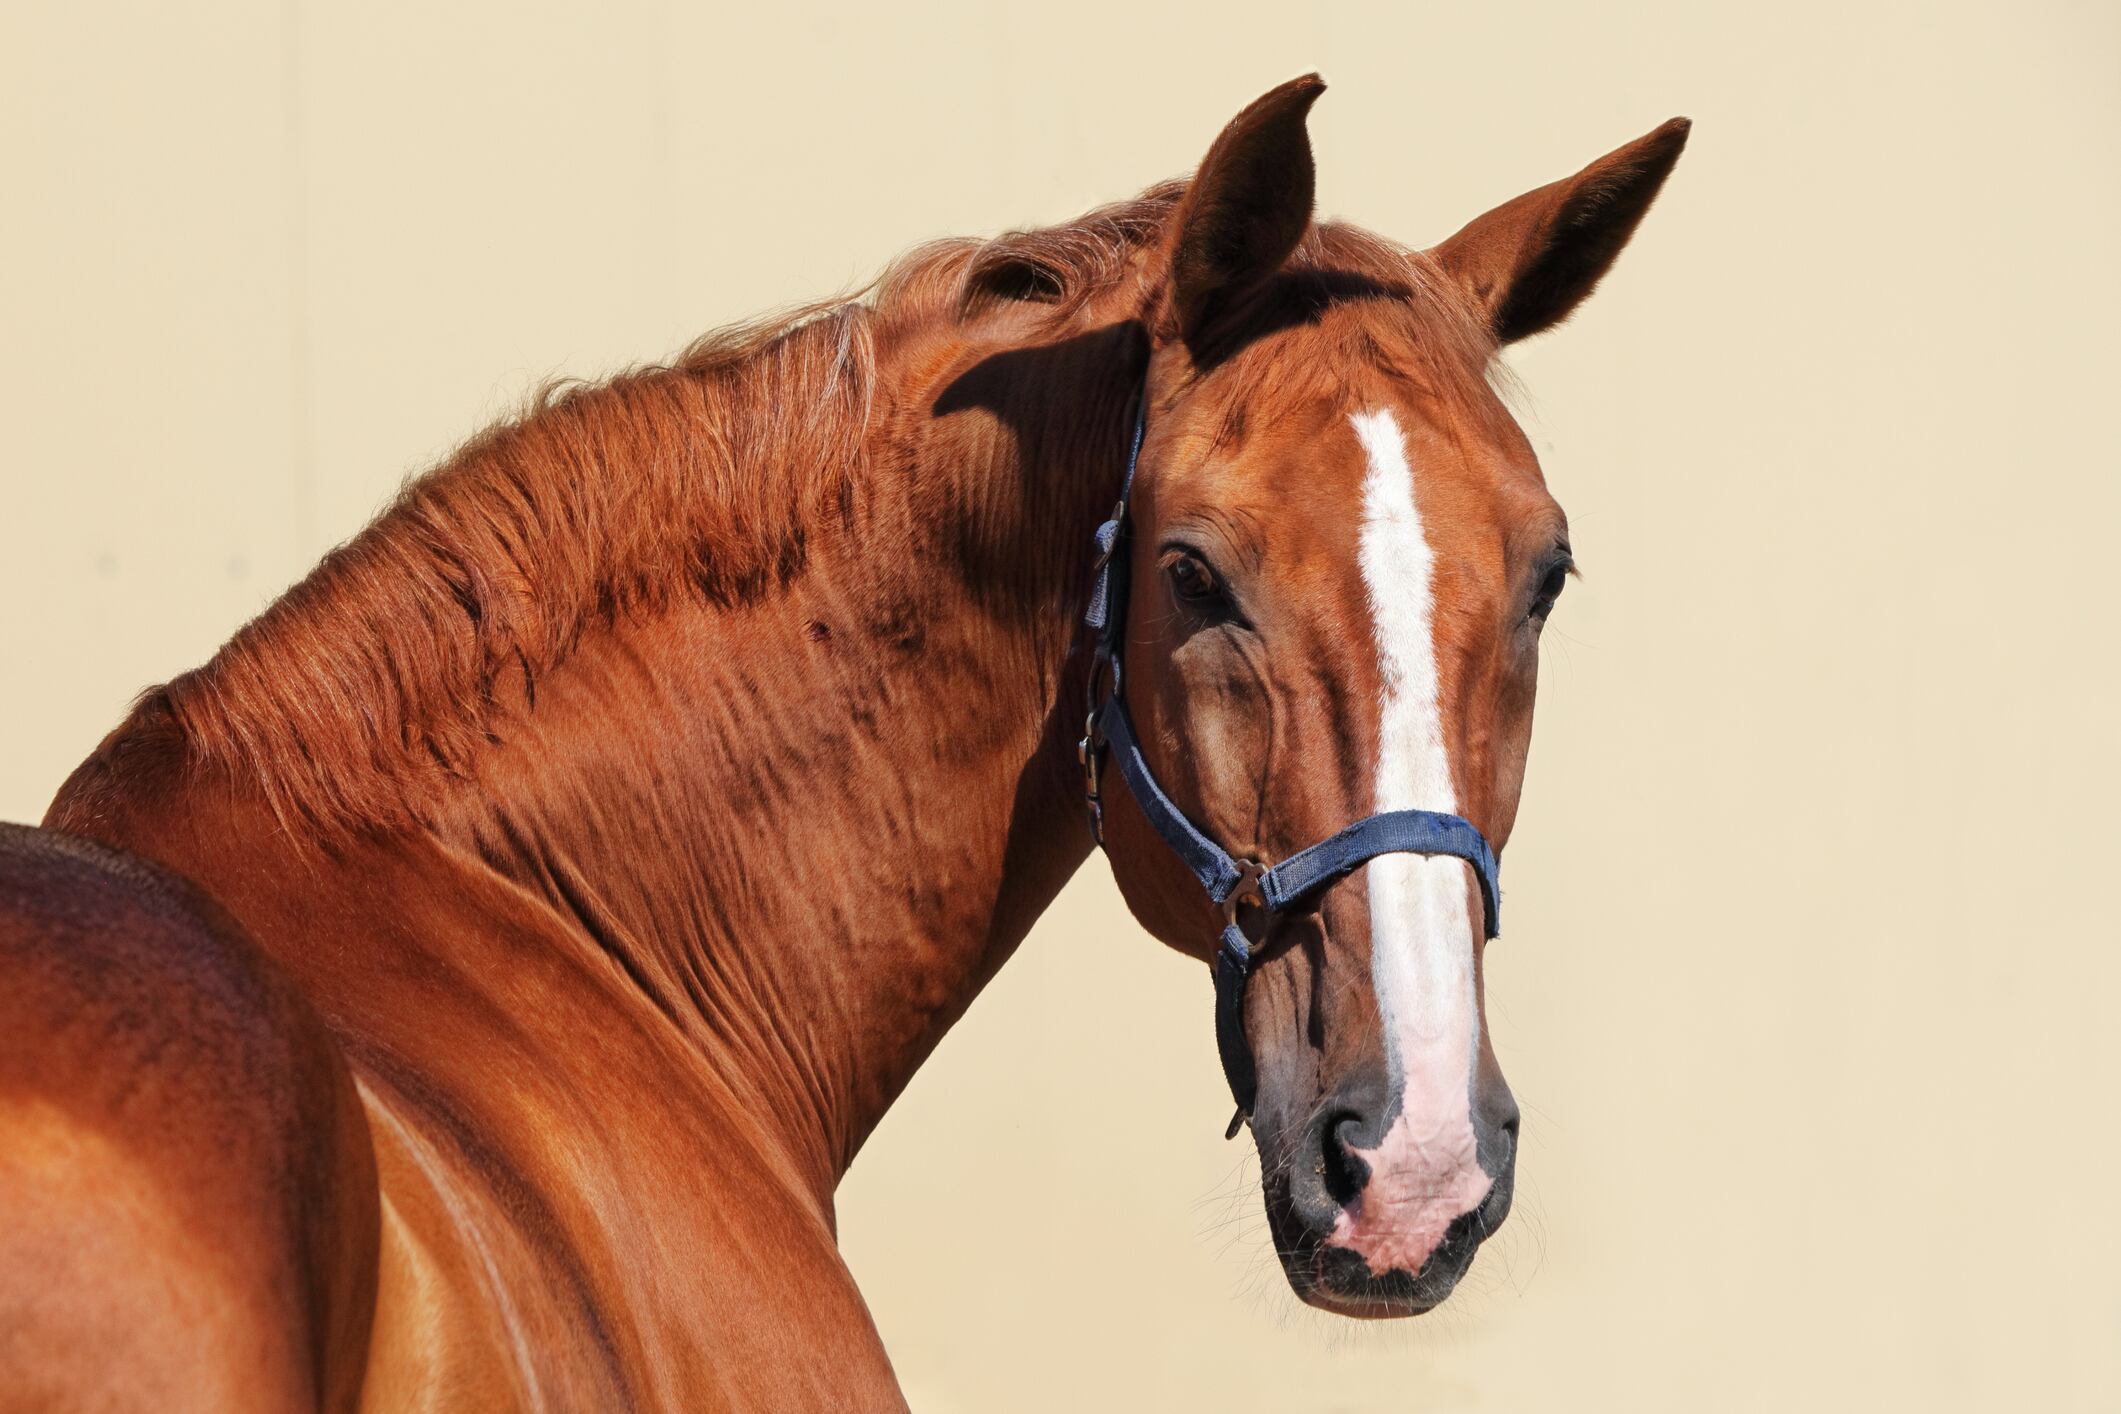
x,y
352,698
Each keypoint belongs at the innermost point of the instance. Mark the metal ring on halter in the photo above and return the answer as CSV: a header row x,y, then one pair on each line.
x,y
1248,886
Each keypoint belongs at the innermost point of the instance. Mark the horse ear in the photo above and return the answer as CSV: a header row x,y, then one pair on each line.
x,y
1531,261
1245,209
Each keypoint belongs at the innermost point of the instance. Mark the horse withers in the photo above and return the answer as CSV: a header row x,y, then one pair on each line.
x,y
468,988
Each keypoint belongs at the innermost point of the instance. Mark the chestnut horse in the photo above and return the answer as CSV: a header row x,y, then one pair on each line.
x,y
468,988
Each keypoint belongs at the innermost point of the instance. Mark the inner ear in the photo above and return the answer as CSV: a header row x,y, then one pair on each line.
x,y
1245,210
1530,262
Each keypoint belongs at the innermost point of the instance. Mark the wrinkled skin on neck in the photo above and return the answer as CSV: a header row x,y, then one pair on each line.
x,y
864,790
623,1010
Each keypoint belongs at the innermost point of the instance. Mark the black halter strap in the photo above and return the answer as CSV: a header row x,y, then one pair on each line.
x,y
1292,884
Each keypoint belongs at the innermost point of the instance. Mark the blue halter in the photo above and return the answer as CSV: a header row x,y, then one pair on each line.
x,y
1231,883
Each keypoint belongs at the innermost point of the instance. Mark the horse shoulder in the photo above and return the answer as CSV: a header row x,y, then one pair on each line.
x,y
185,1166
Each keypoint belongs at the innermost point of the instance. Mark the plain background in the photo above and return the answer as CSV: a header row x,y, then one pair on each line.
x,y
1809,984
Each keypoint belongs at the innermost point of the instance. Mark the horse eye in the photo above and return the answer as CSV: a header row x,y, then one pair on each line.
x,y
1550,589
1191,577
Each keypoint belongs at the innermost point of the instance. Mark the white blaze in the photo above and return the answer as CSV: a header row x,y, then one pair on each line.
x,y
1425,1171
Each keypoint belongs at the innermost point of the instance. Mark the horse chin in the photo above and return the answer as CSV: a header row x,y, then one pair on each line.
x,y
1337,1280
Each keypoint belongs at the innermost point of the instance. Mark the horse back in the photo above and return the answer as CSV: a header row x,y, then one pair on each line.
x,y
188,1204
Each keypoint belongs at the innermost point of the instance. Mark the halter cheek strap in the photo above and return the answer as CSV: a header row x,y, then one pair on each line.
x,y
1289,886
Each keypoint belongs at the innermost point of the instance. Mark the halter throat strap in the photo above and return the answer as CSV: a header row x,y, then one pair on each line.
x,y
1293,884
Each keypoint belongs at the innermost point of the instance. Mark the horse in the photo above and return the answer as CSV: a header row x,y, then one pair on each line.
x,y
468,988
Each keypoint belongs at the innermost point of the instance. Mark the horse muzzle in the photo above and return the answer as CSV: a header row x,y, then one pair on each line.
x,y
1371,1220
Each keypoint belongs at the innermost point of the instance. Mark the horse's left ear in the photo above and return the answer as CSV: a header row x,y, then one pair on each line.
x,y
1245,209
1531,261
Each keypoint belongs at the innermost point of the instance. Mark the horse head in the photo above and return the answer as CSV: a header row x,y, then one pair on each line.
x,y
1340,553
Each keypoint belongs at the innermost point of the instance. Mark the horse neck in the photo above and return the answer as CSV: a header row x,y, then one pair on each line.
x,y
810,827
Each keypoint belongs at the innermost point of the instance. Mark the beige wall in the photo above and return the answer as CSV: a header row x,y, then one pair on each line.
x,y
1811,978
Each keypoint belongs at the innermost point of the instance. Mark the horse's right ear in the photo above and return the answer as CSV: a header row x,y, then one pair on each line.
x,y
1245,210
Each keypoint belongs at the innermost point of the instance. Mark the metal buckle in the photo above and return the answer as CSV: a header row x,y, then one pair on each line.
x,y
1249,873
1248,888
1089,751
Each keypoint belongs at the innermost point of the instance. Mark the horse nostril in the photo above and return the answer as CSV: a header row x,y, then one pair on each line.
x,y
1343,1171
1326,1170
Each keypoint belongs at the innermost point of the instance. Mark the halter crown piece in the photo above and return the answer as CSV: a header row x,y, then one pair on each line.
x,y
1290,886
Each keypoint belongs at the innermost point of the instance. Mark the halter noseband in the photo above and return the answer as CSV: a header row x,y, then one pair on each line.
x,y
1295,882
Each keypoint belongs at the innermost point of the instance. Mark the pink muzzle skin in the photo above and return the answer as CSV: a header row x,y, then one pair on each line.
x,y
1424,1176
